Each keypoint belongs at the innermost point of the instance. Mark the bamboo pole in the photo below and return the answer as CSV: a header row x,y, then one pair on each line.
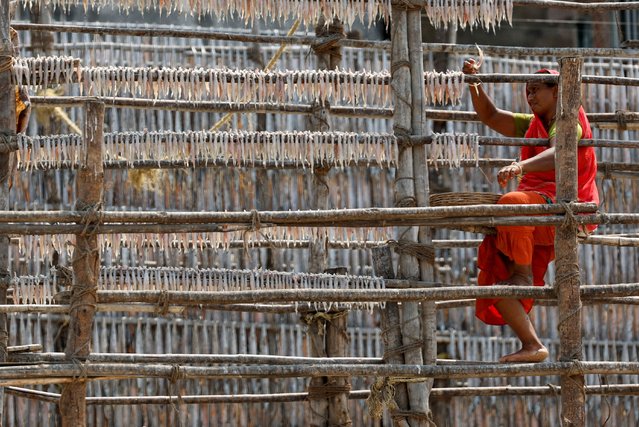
x,y
408,267
45,373
86,265
391,330
438,393
194,359
210,106
567,261
428,311
7,125
305,217
206,34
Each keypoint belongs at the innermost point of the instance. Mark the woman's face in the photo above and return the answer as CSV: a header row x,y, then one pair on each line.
x,y
542,99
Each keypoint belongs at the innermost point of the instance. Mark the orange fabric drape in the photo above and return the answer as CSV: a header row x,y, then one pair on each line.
x,y
519,243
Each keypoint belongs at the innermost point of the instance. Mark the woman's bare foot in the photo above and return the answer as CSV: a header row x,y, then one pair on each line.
x,y
533,353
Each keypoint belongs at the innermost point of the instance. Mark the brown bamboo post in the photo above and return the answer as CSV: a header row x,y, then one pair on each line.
x,y
86,264
422,191
391,331
567,262
7,124
405,196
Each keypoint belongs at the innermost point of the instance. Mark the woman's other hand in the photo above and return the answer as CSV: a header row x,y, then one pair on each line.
x,y
509,172
471,66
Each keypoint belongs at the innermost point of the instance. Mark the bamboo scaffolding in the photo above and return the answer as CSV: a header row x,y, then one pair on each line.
x,y
206,34
36,374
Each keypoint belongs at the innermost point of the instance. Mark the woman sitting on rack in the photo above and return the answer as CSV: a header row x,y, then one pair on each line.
x,y
519,255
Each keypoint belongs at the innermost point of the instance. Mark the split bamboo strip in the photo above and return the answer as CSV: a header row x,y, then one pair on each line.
x,y
207,34
567,261
35,374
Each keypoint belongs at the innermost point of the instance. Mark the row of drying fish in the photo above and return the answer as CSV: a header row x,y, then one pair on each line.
x,y
469,13
452,148
42,71
309,12
233,86
251,148
41,289
114,246
299,149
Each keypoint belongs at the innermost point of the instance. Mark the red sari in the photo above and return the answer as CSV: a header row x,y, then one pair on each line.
x,y
530,245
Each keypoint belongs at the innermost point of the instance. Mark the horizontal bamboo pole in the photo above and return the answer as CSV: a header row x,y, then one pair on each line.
x,y
35,374
194,359
207,34
359,295
299,218
441,393
108,308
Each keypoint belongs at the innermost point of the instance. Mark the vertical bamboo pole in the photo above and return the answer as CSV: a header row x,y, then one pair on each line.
x,y
318,256
86,264
405,197
567,261
336,336
391,333
7,124
422,190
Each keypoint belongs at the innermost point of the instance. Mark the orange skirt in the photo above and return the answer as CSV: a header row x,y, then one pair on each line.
x,y
521,244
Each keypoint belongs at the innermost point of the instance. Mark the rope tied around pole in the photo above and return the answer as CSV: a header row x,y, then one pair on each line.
x,y
174,379
320,319
570,220
422,251
8,139
162,307
324,391
622,121
254,227
383,396
407,4
329,37
91,217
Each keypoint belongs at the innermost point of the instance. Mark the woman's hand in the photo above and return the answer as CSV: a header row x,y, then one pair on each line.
x,y
509,172
471,66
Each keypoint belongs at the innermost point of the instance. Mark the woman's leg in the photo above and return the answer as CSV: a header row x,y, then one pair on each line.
x,y
532,350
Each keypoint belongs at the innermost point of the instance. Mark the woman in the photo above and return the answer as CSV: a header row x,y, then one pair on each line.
x,y
519,255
